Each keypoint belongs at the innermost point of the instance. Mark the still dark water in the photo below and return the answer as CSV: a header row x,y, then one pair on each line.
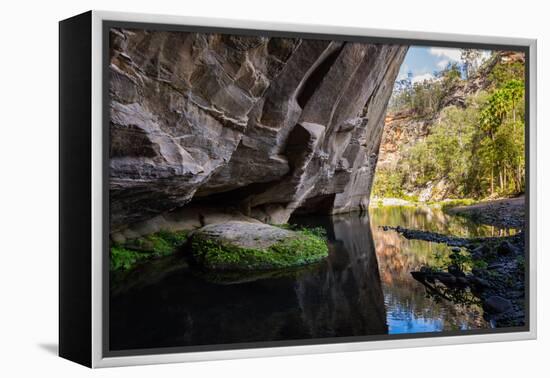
x,y
363,288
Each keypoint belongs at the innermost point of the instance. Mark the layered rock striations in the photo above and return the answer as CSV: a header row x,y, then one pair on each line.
x,y
255,126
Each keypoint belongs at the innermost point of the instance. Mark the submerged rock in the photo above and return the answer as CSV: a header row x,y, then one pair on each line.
x,y
481,251
496,304
497,280
237,246
506,248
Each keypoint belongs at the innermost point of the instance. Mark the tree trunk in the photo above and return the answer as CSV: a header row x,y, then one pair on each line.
x,y
505,179
519,177
492,180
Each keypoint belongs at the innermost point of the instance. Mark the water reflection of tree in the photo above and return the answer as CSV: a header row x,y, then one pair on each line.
x,y
456,295
432,219
398,256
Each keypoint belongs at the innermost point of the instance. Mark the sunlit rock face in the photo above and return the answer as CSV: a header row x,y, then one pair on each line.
x,y
261,126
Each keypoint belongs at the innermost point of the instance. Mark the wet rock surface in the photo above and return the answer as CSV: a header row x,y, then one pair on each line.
x,y
264,125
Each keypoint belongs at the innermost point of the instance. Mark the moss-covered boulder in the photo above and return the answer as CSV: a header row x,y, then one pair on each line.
x,y
245,246
162,243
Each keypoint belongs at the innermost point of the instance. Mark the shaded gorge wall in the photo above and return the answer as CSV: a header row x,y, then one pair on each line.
x,y
241,126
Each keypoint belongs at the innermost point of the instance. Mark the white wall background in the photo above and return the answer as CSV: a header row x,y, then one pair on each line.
x,y
28,158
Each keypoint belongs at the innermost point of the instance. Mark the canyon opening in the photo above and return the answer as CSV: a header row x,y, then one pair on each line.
x,y
283,189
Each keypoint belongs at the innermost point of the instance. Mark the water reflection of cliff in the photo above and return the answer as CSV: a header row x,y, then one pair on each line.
x,y
345,298
340,297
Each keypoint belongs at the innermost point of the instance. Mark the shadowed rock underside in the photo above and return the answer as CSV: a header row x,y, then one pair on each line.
x,y
243,127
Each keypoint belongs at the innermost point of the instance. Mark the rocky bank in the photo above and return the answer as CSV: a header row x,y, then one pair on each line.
x,y
496,279
505,213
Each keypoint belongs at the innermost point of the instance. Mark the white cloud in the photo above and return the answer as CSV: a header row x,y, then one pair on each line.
x,y
447,55
442,64
422,77
403,72
452,55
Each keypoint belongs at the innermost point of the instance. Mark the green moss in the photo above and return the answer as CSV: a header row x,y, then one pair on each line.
x,y
124,259
160,243
284,226
309,231
308,247
134,251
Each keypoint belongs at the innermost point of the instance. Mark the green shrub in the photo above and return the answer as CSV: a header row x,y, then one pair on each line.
x,y
388,183
479,264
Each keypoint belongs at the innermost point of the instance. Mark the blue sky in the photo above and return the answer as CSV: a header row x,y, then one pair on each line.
x,y
422,61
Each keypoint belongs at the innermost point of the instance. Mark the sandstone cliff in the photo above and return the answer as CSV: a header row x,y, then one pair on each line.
x,y
254,126
404,128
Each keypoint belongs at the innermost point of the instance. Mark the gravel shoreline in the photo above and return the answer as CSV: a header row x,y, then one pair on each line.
x,y
505,213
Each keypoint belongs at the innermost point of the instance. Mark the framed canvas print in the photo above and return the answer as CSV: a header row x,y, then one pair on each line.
x,y
233,189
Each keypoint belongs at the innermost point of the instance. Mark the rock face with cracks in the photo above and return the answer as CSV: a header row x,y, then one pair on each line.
x,y
254,126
